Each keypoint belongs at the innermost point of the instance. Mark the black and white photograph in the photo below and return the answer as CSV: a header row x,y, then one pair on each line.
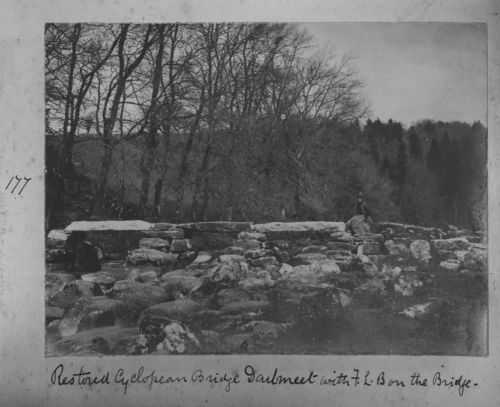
x,y
265,188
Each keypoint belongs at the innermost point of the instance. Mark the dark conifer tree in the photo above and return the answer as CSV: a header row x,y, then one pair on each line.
x,y
401,167
433,155
415,146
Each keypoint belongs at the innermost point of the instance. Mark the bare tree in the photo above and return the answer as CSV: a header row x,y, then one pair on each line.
x,y
215,112
129,57
88,53
153,119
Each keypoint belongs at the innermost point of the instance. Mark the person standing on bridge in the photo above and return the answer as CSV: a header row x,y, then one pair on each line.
x,y
362,221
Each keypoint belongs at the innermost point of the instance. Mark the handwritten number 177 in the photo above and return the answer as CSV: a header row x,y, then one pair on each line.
x,y
13,181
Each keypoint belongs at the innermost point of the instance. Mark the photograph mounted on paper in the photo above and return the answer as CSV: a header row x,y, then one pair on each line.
x,y
228,188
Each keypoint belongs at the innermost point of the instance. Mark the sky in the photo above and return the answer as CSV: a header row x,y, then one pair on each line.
x,y
415,71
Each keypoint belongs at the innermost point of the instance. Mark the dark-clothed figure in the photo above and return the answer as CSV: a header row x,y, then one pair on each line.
x,y
362,222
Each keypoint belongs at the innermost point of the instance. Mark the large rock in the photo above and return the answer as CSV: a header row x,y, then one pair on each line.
x,y
343,237
297,230
314,249
227,271
134,344
318,274
369,237
179,310
139,296
176,339
262,280
151,256
228,295
186,258
245,306
459,243
365,264
325,268
181,245
255,254
55,281
346,263
176,282
330,227
95,312
149,277
103,278
398,230
398,249
163,226
154,243
202,257
281,255
98,340
123,285
420,250
264,261
476,260
301,277
247,244
53,313
164,234
56,239
216,227
252,235
450,264
69,293
232,257
109,225
341,246
135,274
460,255
445,254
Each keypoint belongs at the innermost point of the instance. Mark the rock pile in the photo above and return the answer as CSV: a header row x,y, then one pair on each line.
x,y
231,287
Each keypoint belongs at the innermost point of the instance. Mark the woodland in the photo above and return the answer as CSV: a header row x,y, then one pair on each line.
x,y
238,122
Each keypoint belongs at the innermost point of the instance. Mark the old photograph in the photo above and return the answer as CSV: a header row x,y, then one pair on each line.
x,y
265,188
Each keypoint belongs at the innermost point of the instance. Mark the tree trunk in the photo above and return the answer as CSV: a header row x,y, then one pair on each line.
x,y
147,163
109,121
183,168
151,142
201,187
85,84
157,198
102,179
205,200
68,108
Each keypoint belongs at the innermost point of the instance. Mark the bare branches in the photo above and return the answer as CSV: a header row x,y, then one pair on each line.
x,y
203,103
